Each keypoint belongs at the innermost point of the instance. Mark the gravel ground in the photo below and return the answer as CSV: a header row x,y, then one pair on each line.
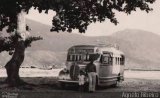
x,y
50,84
46,87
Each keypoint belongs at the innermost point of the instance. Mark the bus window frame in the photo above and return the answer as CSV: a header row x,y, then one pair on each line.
x,y
122,60
79,57
110,60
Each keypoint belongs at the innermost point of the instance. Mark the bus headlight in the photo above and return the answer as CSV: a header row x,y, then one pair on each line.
x,y
64,74
64,77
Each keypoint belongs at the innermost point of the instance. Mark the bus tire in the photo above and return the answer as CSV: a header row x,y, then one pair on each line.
x,y
86,87
116,84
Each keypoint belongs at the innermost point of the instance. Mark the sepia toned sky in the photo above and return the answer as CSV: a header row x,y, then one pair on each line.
x,y
137,20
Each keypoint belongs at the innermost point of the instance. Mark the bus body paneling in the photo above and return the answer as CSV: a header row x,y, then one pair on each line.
x,y
109,63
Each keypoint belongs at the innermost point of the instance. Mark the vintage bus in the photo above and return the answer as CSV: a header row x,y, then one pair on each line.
x,y
109,63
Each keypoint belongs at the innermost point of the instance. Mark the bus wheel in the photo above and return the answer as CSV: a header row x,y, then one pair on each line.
x,y
117,84
86,87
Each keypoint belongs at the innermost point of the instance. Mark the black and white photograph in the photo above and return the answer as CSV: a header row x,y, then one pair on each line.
x,y
79,48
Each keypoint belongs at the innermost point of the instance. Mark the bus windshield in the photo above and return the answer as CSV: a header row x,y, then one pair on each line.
x,y
82,57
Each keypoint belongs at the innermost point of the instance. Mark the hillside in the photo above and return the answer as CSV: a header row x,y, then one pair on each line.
x,y
141,47
146,50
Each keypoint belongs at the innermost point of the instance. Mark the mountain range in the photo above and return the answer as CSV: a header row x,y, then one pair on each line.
x,y
142,48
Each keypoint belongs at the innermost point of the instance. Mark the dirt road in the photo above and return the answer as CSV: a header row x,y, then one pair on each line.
x,y
133,85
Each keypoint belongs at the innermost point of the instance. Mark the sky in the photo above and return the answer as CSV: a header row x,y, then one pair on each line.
x,y
137,20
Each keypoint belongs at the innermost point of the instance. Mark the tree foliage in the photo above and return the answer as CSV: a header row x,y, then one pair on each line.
x,y
9,43
70,14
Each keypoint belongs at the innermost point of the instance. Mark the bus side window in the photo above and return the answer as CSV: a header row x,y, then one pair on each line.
x,y
80,57
122,60
87,57
84,57
73,57
76,57
105,59
69,58
111,60
116,61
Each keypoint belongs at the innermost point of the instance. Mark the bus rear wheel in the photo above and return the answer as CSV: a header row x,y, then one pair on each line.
x,y
116,84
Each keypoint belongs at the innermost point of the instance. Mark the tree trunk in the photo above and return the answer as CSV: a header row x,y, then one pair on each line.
x,y
12,66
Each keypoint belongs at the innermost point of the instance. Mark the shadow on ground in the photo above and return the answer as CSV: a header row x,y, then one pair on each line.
x,y
43,84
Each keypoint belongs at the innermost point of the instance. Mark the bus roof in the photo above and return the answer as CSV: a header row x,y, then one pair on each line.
x,y
101,48
83,46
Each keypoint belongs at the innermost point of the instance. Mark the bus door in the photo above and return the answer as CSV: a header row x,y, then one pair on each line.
x,y
105,69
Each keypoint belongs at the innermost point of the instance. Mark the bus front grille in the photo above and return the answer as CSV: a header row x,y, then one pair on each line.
x,y
74,72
